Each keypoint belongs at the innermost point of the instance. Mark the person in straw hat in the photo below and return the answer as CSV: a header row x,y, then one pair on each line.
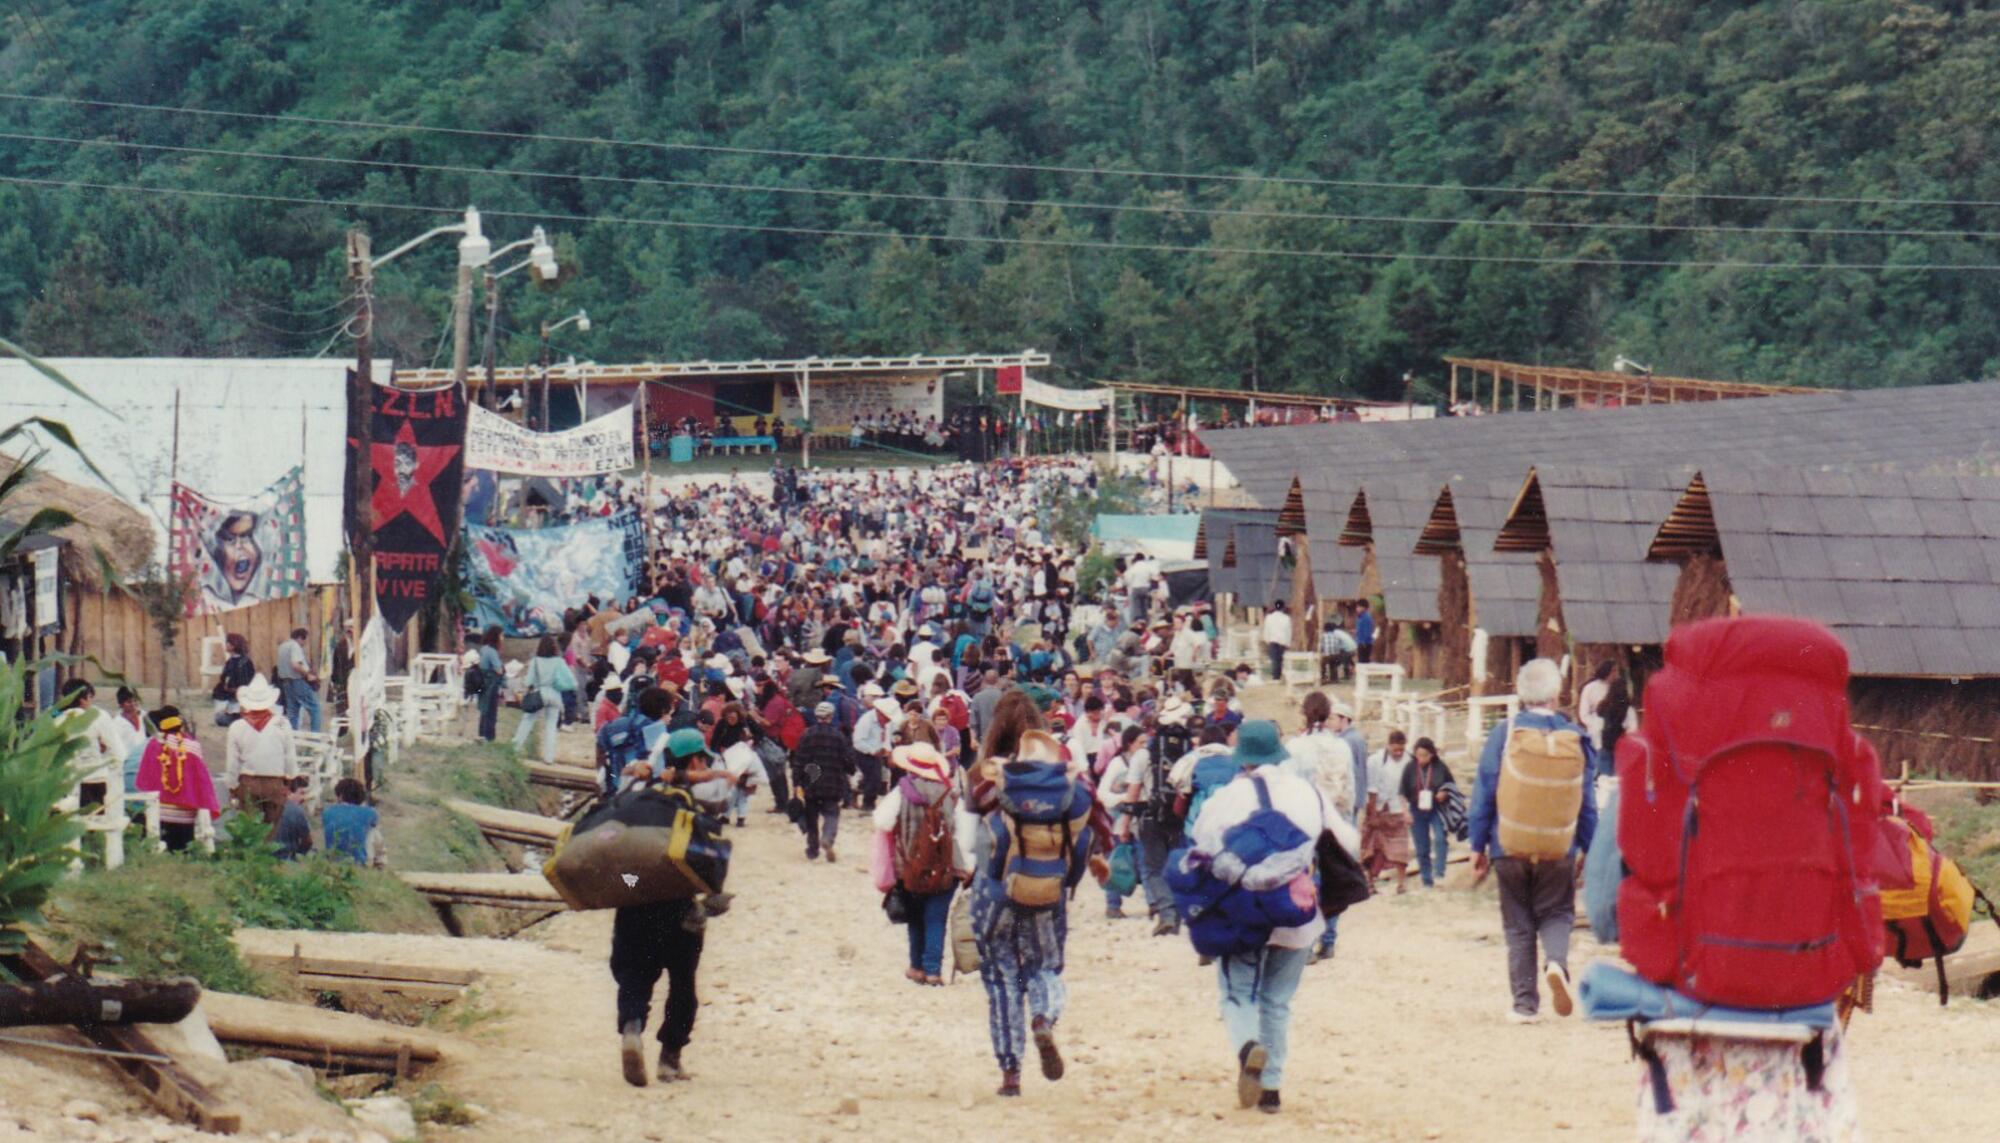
x,y
872,741
918,816
258,749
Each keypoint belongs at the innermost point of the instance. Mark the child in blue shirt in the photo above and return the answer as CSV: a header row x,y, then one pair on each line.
x,y
352,829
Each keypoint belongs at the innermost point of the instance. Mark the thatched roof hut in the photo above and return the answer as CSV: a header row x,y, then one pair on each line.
x,y
105,526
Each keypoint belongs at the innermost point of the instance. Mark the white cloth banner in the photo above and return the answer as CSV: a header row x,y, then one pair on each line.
x,y
599,445
1074,400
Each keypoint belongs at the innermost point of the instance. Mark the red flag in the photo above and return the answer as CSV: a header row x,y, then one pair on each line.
x,y
1007,378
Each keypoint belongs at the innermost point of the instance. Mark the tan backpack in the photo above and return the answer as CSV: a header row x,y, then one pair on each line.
x,y
1541,791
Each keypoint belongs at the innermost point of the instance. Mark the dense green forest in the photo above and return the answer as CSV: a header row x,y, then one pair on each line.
x,y
1797,191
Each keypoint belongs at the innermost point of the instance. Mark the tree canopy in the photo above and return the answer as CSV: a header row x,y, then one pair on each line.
x,y
1788,192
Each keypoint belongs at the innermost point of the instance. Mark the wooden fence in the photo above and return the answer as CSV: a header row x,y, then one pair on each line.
x,y
113,629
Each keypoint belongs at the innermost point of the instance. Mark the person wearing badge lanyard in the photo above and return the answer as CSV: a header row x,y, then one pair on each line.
x,y
1424,776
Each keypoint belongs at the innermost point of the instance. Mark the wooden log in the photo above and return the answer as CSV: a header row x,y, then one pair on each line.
x,y
529,888
563,777
167,1085
1965,971
510,825
69,1000
298,962
313,1035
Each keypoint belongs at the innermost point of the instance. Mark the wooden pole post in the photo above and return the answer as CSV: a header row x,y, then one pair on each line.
x,y
360,430
173,574
1496,390
1454,387
646,465
806,407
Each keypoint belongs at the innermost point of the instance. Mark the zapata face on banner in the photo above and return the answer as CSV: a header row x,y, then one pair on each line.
x,y
242,553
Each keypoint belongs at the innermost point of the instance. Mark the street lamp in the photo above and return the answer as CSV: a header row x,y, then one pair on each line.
x,y
581,320
542,257
1624,364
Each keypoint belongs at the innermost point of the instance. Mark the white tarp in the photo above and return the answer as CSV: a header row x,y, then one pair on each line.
x,y
599,445
1073,400
244,423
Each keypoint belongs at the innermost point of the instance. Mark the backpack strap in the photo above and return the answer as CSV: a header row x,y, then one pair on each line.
x,y
1263,792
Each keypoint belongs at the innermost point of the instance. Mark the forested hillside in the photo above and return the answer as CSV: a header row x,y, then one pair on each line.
x,y
1722,185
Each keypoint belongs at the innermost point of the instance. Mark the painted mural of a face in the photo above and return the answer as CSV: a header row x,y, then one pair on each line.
x,y
237,555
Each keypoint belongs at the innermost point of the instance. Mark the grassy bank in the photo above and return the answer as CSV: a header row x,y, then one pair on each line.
x,y
168,914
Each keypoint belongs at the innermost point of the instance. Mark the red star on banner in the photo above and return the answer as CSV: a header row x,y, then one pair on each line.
x,y
391,500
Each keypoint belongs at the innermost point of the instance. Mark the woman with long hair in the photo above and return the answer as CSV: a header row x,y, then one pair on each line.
x,y
1424,782
544,681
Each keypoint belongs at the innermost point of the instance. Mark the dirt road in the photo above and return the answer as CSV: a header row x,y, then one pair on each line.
x,y
1401,1037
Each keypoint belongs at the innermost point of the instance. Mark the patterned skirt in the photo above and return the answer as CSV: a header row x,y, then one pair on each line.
x,y
1385,838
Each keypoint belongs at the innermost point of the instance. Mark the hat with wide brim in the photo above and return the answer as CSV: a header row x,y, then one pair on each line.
x,y
257,694
829,681
888,709
817,658
921,760
1174,711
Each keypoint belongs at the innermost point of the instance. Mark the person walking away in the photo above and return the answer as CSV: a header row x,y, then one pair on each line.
x,y
260,761
1590,698
1769,1057
664,936
1159,827
872,740
1119,792
822,774
918,815
1385,824
1277,638
1038,818
298,683
171,766
1255,985
541,696
1364,634
493,673
1423,784
1530,823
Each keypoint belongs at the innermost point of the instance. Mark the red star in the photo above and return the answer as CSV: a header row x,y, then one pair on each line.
x,y
390,500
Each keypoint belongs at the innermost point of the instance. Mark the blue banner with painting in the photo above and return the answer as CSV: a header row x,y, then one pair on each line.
x,y
524,579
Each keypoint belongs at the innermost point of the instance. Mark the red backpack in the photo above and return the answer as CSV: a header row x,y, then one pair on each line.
x,y
1748,819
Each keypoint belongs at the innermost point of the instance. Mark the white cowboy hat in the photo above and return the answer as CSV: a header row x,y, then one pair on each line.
x,y
817,658
257,694
888,709
469,659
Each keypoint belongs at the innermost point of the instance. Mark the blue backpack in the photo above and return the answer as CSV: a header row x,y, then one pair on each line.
x,y
1037,801
1210,774
981,598
1223,917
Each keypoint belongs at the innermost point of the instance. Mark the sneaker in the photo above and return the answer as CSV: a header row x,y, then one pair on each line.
x,y
1010,1085
1166,927
1560,998
670,1070
1250,1074
741,822
1516,1016
1045,1043
1268,1103
632,1055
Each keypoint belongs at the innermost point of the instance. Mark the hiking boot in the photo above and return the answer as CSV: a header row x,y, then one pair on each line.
x,y
1010,1085
1250,1073
1268,1103
1560,997
632,1054
1045,1043
670,1070
1111,914
1166,927
741,822
829,855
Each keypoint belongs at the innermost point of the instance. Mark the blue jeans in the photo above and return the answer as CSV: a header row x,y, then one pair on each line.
x,y
489,709
739,803
548,716
1428,832
928,915
1156,840
1257,990
300,697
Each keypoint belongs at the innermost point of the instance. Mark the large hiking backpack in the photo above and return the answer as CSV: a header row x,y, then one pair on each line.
x,y
1224,914
1038,802
646,845
1746,815
927,859
980,599
1541,791
1170,745
1927,903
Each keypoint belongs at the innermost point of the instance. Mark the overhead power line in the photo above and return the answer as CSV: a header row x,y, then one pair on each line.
x,y
981,164
1005,240
905,196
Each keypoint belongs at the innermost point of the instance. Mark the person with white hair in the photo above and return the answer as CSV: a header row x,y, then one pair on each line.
x,y
1531,794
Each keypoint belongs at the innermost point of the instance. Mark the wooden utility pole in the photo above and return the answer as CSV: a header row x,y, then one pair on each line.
x,y
360,426
173,575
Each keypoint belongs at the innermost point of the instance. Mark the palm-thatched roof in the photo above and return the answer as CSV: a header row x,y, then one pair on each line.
x,y
104,524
